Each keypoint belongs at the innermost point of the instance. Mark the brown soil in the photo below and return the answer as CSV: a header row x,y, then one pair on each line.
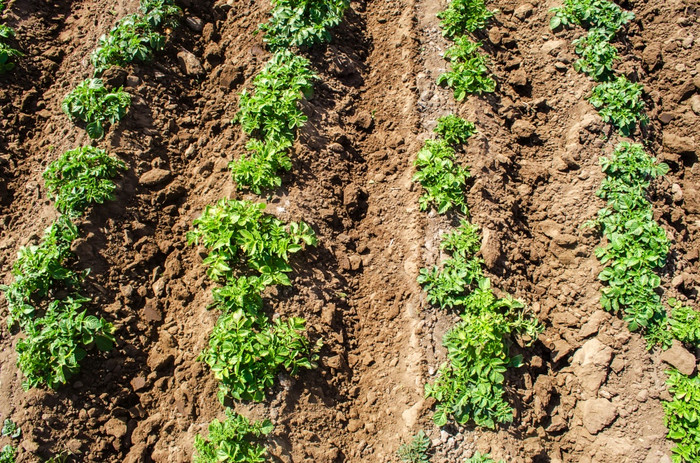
x,y
535,171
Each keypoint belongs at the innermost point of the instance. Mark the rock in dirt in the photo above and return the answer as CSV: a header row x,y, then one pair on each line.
x,y
679,358
593,324
194,23
677,144
523,129
490,248
651,56
590,364
598,414
138,383
553,46
524,11
190,64
155,177
115,427
231,76
114,77
695,104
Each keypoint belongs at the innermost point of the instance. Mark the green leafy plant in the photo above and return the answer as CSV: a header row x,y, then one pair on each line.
x,y
481,458
620,103
597,55
239,232
602,14
464,17
682,416
271,115
684,323
246,354
160,13
454,129
469,386
40,269
637,245
55,343
10,429
417,450
82,177
7,455
442,179
447,286
233,440
302,23
469,73
7,52
93,104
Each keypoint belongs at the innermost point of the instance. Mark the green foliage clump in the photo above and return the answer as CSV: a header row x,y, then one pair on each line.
x,y
464,17
637,244
683,416
271,115
82,177
246,354
238,232
684,323
470,384
55,343
40,269
7,455
620,103
481,458
233,440
416,451
597,55
135,37
602,14
93,104
10,429
454,130
302,23
447,285
469,73
442,179
7,52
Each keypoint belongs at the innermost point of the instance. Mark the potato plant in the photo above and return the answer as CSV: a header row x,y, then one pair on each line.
x,y
93,104
82,177
135,37
7,52
415,451
620,103
602,14
464,17
302,23
455,130
469,73
597,54
682,416
442,179
235,439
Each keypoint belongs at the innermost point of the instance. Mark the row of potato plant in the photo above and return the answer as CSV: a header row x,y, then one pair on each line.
x,y
249,250
44,300
637,245
470,384
134,38
7,51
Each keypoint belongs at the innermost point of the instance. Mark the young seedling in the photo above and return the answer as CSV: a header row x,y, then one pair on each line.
x,y
416,451
302,23
620,103
235,439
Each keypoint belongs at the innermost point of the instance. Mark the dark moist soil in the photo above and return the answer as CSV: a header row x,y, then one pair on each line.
x,y
535,172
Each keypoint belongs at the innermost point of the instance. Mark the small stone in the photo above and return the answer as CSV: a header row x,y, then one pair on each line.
x,y
138,383
354,425
155,177
194,23
651,56
519,78
115,427
677,144
598,414
558,424
523,129
677,192
524,11
132,81
666,118
561,350
695,104
190,64
679,358
552,46
592,326
643,395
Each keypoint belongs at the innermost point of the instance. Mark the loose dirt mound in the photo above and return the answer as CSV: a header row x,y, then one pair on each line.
x,y
535,172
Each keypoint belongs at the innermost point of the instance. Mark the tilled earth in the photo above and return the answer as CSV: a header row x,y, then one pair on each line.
x,y
535,171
